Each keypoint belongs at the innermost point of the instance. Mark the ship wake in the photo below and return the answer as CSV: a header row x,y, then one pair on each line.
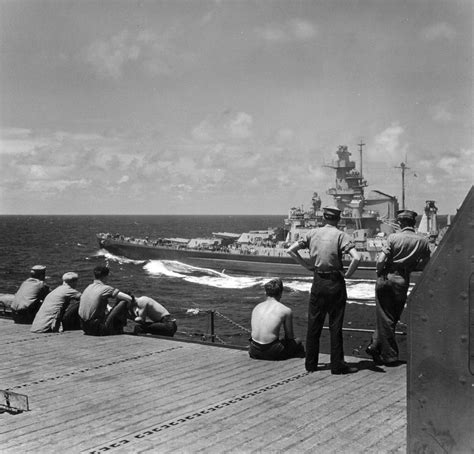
x,y
201,276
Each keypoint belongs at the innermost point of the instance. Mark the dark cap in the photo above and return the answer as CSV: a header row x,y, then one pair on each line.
x,y
406,214
332,211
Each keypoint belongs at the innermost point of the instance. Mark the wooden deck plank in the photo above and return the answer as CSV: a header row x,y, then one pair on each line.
x,y
146,392
94,415
306,413
187,397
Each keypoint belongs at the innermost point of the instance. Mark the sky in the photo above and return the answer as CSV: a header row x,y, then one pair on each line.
x,y
230,106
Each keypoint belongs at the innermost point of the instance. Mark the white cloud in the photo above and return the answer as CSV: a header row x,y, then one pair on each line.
x,y
285,136
240,127
109,57
302,30
38,172
203,132
292,30
458,165
19,141
145,50
389,144
441,114
440,30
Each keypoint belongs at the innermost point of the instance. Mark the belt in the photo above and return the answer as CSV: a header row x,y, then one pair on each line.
x,y
264,346
327,272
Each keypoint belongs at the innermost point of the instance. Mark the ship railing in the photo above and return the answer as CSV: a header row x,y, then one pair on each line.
x,y
212,336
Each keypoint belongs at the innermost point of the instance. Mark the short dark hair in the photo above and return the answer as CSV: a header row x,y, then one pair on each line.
x,y
274,287
331,217
406,222
101,271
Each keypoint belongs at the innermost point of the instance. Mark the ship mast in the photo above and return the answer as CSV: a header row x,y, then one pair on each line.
x,y
361,144
404,167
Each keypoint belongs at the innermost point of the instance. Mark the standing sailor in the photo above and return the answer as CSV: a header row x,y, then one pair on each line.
x,y
30,296
328,293
405,251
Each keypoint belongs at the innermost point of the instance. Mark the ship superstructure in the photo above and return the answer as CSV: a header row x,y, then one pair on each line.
x,y
369,219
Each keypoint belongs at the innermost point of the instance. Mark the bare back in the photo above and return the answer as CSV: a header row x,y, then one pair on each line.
x,y
267,318
148,308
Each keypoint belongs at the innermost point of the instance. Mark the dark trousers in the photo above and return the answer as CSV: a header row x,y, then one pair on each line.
x,y
328,296
390,297
113,323
165,327
27,315
278,350
71,320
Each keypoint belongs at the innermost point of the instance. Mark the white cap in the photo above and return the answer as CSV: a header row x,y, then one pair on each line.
x,y
70,276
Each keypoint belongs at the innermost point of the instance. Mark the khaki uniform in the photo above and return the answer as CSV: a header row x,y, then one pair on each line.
x,y
405,249
328,292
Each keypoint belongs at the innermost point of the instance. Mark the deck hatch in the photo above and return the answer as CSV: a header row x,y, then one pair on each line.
x,y
13,402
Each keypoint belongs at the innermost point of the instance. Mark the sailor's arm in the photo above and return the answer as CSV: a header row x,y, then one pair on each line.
x,y
121,296
354,253
288,325
124,296
293,251
381,262
425,257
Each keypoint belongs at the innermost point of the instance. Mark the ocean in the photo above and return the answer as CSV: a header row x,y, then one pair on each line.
x,y
68,243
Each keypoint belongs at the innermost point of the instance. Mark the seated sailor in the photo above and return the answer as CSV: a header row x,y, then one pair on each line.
x,y
59,308
30,296
267,318
95,317
151,317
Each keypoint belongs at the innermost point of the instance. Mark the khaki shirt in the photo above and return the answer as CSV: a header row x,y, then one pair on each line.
x,y
31,291
326,247
94,300
48,316
404,250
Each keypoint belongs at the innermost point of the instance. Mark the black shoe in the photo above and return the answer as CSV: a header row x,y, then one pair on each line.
x,y
344,370
370,350
392,363
311,367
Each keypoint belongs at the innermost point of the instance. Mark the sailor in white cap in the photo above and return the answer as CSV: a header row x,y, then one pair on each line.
x,y
405,251
59,309
328,293
30,295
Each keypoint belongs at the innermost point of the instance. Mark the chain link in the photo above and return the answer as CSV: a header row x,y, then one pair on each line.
x,y
232,322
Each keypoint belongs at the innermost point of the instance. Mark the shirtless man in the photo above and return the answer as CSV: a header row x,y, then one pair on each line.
x,y
152,317
267,318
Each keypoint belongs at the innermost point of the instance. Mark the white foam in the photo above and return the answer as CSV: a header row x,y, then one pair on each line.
x,y
116,258
200,276
159,268
360,290
224,281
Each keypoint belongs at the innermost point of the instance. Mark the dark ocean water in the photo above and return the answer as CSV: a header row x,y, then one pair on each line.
x,y
68,243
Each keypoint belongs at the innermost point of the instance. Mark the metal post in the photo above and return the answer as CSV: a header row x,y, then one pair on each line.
x,y
213,336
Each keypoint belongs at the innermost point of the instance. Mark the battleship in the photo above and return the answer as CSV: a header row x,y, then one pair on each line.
x,y
368,218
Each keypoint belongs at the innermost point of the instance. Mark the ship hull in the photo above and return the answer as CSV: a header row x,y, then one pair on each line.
x,y
231,263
